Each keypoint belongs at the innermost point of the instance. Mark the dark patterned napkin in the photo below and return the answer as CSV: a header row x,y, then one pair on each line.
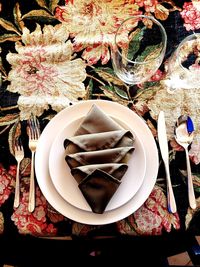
x,y
97,155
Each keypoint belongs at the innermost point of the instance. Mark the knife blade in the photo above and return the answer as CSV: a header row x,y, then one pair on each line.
x,y
163,143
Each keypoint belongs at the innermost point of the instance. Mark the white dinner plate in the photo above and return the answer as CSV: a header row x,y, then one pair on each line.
x,y
67,186
42,162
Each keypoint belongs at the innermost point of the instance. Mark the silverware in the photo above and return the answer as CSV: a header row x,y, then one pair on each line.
x,y
19,155
184,134
163,143
34,134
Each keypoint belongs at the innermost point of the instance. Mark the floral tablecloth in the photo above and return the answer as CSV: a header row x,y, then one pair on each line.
x,y
55,53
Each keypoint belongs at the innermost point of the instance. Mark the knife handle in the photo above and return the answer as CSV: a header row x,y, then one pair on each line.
x,y
170,194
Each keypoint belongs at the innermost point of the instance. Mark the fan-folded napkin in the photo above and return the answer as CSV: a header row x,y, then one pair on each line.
x,y
97,155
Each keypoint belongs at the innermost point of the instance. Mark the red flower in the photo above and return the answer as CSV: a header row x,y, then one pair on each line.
x,y
34,223
157,76
191,16
6,178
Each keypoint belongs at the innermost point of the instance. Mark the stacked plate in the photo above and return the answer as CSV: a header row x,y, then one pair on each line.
x,y
61,189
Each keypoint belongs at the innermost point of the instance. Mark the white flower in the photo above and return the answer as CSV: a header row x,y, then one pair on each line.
x,y
43,69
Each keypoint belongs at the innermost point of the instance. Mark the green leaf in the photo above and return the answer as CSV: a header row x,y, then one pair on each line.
x,y
120,92
197,175
53,4
108,75
117,91
106,69
37,14
197,189
134,44
8,26
150,51
89,89
110,92
147,85
9,37
109,88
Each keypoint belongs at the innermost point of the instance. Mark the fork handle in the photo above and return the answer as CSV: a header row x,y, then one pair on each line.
x,y
31,202
17,193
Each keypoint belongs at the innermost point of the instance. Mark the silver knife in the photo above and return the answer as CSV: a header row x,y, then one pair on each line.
x,y
163,143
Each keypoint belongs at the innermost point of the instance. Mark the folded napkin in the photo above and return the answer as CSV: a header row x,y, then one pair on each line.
x,y
97,155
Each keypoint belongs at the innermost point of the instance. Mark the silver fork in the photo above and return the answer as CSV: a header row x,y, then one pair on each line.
x,y
34,134
19,155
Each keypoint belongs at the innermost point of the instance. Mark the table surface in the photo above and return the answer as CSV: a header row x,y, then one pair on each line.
x,y
41,43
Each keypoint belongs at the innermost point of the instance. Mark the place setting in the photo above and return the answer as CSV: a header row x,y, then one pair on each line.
x,y
67,179
113,150
60,187
84,167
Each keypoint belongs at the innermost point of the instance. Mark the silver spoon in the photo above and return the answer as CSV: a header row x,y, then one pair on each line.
x,y
184,133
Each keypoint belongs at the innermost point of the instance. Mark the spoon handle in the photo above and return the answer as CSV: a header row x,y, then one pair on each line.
x,y
191,196
170,194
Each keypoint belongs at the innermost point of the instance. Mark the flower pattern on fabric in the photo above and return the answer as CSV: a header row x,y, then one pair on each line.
x,y
34,223
191,15
152,218
1,223
53,215
93,23
195,153
190,213
6,178
44,70
47,73
149,5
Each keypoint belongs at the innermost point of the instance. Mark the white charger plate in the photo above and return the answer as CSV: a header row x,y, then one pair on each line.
x,y
67,186
42,162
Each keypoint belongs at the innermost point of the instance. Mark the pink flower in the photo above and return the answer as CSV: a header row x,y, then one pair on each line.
x,y
191,16
151,218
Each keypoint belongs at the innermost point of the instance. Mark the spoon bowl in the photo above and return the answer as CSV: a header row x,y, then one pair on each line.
x,y
184,134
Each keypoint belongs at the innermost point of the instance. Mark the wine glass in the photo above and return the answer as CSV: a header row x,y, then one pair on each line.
x,y
139,49
183,67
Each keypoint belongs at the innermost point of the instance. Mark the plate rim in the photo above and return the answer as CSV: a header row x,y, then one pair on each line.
x,y
69,211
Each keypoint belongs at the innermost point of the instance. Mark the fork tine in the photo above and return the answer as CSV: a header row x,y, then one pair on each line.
x,y
30,129
34,127
18,144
